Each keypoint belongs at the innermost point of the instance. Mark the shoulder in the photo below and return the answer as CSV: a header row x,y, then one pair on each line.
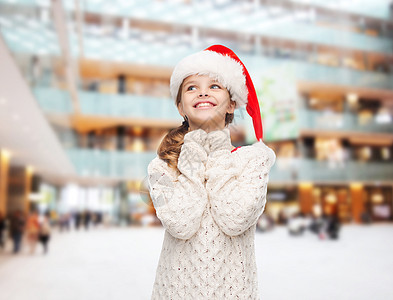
x,y
157,164
258,150
160,165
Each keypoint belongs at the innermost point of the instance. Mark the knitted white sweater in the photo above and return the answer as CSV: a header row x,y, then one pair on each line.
x,y
209,211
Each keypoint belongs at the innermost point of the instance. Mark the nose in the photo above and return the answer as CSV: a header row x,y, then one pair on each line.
x,y
202,95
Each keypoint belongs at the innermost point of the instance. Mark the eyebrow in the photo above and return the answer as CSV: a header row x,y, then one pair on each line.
x,y
193,81
190,82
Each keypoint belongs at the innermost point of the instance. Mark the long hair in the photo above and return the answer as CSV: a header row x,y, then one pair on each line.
x,y
169,149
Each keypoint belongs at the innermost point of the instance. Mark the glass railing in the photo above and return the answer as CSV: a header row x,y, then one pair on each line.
x,y
342,76
94,46
286,24
24,34
328,120
376,8
310,169
126,105
40,68
133,165
53,100
113,164
314,72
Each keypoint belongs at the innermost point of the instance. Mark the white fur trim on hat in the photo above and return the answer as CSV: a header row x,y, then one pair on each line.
x,y
223,68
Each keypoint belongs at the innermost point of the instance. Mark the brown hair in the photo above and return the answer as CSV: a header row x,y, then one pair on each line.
x,y
169,149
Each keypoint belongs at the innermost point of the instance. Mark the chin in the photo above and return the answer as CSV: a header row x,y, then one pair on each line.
x,y
201,118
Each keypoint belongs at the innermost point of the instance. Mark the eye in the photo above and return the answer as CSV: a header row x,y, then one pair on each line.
x,y
191,87
214,86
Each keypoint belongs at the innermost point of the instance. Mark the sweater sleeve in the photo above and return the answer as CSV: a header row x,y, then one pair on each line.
x,y
237,182
180,200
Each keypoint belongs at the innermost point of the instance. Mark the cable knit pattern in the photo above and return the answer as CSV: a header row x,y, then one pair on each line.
x,y
180,200
210,213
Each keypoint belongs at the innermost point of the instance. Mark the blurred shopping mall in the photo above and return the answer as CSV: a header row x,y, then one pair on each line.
x,y
85,103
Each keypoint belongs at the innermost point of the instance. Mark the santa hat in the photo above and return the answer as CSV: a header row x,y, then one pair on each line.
x,y
222,64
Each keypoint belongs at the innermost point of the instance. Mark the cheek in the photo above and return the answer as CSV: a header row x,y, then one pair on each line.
x,y
187,100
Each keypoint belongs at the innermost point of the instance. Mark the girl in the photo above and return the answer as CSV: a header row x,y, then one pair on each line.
x,y
207,193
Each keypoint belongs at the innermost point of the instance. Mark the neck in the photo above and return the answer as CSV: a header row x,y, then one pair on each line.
x,y
207,127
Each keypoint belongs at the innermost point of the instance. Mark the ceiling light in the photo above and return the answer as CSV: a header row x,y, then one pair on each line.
x,y
352,98
30,169
5,153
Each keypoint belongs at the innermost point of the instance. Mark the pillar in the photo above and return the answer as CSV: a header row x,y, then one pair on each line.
x,y
27,189
357,191
306,197
19,188
4,168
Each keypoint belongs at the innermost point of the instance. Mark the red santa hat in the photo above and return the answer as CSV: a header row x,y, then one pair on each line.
x,y
222,64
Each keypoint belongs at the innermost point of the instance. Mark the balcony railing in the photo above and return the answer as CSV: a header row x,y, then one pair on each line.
x,y
287,25
133,165
93,103
53,100
328,120
125,105
112,164
374,9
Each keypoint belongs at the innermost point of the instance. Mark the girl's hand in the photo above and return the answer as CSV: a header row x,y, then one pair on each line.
x,y
198,136
219,140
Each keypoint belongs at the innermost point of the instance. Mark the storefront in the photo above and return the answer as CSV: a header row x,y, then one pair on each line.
x,y
282,202
350,203
378,203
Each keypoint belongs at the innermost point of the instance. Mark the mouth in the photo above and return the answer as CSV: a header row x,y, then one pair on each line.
x,y
204,105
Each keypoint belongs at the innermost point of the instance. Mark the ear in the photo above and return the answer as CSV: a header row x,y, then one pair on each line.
x,y
180,109
231,106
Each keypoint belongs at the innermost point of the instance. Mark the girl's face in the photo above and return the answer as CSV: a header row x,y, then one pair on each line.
x,y
205,101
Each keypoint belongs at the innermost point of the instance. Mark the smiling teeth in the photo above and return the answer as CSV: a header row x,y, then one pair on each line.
x,y
204,104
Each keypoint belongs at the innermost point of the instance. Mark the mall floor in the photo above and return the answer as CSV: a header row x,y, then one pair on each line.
x,y
120,263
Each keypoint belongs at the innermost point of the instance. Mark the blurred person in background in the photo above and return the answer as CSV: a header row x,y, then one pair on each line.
x,y
98,218
78,219
265,223
320,226
86,219
366,217
95,218
17,227
2,229
36,70
67,221
282,217
333,227
317,225
53,218
297,224
64,222
32,230
107,220
61,223
45,229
